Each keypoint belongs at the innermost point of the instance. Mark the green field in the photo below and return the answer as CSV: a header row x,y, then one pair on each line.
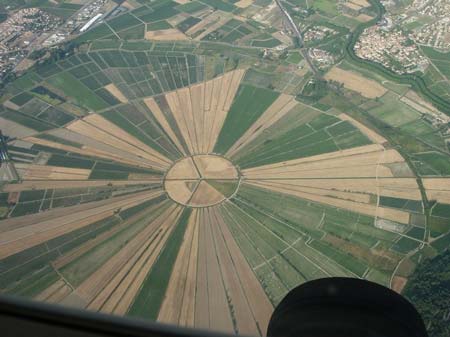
x,y
148,301
248,106
75,89
395,112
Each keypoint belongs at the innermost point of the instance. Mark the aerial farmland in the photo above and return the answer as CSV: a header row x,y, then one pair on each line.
x,y
186,164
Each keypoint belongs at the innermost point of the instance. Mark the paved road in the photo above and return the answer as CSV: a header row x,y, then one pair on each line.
x,y
303,50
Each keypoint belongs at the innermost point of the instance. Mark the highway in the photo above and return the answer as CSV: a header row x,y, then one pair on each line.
x,y
303,51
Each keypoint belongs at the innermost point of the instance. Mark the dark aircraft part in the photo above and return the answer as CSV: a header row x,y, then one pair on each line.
x,y
23,318
345,307
335,307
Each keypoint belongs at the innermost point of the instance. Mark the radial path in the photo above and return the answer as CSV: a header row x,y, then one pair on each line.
x,y
201,180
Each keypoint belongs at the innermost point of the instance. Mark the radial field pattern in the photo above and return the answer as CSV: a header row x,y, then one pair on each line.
x,y
200,204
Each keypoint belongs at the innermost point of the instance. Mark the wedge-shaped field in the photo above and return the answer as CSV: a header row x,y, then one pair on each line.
x,y
196,202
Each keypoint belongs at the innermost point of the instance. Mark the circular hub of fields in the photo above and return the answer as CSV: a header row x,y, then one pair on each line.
x,y
202,180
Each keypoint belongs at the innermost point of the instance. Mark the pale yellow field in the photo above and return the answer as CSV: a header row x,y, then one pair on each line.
x,y
282,105
284,38
53,214
372,135
186,110
412,95
109,127
258,302
172,305
222,19
183,169
187,310
201,300
212,92
122,285
181,117
421,107
243,3
15,129
118,139
59,294
217,308
92,287
47,184
85,247
206,195
364,18
86,151
213,167
44,295
370,164
224,98
437,189
101,149
18,239
184,182
364,208
154,108
113,90
165,35
209,24
128,5
350,152
242,311
179,190
38,172
11,105
132,290
352,5
353,179
353,81
405,188
351,196
441,184
200,111
362,3
398,283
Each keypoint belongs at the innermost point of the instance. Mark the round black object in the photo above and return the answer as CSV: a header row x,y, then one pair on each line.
x,y
345,307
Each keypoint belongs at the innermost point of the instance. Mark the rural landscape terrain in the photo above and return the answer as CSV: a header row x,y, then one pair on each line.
x,y
190,162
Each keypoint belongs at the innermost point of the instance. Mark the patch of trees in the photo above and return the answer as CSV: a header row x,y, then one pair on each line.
x,y
429,290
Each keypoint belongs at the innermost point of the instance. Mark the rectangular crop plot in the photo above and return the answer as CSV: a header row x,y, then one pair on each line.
x,y
77,90
123,21
165,11
219,4
22,98
191,7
